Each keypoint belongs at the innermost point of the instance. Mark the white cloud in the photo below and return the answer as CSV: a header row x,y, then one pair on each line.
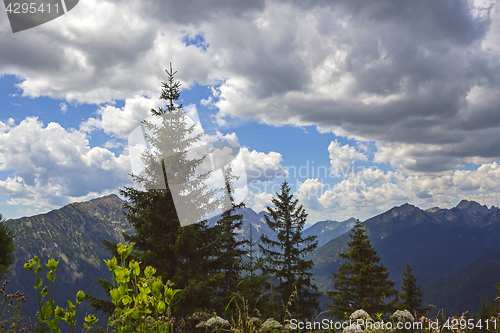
x,y
230,137
262,167
64,107
309,192
427,95
341,157
53,166
120,122
259,202
364,70
372,192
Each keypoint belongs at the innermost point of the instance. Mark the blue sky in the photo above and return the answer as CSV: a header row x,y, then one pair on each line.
x,y
399,100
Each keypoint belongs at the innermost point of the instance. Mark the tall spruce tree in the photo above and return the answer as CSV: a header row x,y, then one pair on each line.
x,y
252,286
285,256
184,255
230,252
411,295
361,282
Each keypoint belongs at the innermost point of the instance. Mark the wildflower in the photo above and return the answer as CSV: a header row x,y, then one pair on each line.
x,y
404,315
111,263
360,314
134,265
149,271
270,324
52,264
80,296
353,328
217,321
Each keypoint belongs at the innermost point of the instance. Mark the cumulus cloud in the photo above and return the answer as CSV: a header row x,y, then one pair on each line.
x,y
344,156
53,166
372,191
262,167
374,72
309,192
419,80
398,73
218,137
101,51
260,201
120,122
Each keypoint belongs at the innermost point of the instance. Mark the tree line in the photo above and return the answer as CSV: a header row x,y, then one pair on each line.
x,y
208,262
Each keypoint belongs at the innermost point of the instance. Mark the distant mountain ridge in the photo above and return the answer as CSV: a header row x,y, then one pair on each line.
x,y
451,251
323,230
434,242
327,230
71,235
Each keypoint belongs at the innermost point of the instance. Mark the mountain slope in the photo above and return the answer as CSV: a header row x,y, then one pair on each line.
x,y
467,286
327,230
434,242
324,230
72,235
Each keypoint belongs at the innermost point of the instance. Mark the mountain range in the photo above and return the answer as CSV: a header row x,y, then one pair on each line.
x,y
453,252
73,235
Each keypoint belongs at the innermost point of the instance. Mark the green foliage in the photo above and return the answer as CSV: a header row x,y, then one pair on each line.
x,y
252,287
49,315
284,256
411,295
184,255
229,251
361,282
7,248
139,297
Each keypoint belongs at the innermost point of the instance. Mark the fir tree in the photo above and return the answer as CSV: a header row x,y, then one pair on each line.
x,y
184,255
253,283
285,256
361,282
411,295
228,257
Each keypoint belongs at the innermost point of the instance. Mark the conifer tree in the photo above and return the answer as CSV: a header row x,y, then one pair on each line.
x,y
184,255
411,295
361,282
253,283
285,256
230,252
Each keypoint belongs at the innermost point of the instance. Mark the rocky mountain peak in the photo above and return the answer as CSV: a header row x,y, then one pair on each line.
x,y
433,209
473,208
404,210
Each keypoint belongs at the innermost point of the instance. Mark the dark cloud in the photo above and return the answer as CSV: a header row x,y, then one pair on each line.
x,y
387,71
196,12
390,71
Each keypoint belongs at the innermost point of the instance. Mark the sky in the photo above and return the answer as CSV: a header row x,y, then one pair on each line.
x,y
359,105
